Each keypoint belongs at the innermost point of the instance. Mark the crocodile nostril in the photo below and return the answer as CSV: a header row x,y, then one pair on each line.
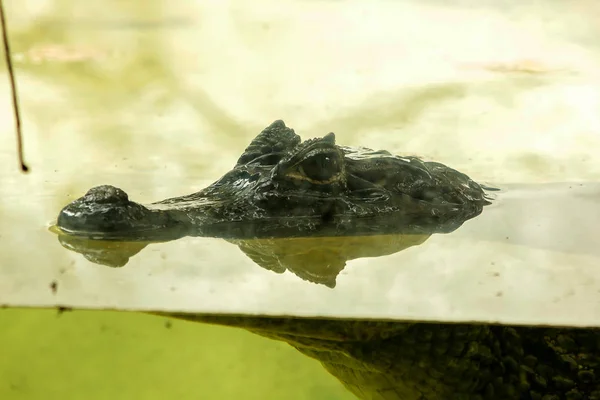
x,y
106,194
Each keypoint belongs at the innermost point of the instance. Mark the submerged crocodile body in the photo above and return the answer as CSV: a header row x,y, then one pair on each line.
x,y
386,360
282,188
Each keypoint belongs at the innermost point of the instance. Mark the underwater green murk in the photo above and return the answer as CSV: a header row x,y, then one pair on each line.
x,y
101,355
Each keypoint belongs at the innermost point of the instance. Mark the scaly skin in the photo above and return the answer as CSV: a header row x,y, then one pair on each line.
x,y
387,360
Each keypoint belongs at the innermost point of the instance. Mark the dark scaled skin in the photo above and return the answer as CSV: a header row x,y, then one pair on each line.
x,y
387,360
282,187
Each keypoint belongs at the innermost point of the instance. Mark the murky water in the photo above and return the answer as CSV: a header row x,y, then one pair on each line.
x,y
160,98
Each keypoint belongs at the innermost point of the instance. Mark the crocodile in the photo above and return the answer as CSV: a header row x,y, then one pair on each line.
x,y
284,189
282,186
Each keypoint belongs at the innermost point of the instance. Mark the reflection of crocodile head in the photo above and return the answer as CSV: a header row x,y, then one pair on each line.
x,y
111,253
317,260
281,187
320,260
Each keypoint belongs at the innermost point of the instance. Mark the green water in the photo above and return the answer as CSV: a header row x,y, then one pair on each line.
x,y
112,355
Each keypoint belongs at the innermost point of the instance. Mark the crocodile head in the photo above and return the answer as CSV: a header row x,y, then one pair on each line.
x,y
281,186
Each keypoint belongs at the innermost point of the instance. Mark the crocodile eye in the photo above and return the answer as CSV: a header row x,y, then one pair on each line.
x,y
320,167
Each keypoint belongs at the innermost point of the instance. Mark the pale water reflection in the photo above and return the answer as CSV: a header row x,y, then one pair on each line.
x,y
318,260
163,111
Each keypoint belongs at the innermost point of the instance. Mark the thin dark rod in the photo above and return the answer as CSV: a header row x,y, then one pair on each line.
x,y
13,88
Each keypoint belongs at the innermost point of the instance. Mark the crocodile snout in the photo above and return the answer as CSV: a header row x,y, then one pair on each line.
x,y
106,212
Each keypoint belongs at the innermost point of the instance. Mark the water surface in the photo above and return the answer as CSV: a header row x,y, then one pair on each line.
x,y
160,98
